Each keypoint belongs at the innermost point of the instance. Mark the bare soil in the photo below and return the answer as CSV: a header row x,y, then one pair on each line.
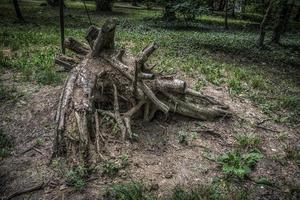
x,y
156,158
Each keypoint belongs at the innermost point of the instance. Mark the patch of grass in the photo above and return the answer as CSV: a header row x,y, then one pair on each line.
x,y
238,165
257,82
76,177
126,191
247,141
5,145
217,190
110,168
235,86
185,137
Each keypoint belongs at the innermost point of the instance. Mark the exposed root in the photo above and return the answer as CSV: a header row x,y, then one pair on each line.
x,y
109,82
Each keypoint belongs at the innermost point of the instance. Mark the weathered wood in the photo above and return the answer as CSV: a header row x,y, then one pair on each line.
x,y
76,46
91,35
105,38
101,83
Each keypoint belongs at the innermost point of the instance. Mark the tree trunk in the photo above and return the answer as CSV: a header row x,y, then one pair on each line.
x,y
226,15
297,16
104,5
233,9
18,11
169,14
134,3
243,6
53,3
211,5
112,85
282,22
221,5
263,24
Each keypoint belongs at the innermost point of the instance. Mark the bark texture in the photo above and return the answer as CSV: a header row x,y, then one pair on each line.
x,y
106,82
104,5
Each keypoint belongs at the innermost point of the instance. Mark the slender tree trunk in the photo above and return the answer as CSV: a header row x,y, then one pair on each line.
x,y
18,11
243,6
211,5
53,3
169,14
263,24
134,3
221,5
226,15
282,22
103,5
297,17
233,7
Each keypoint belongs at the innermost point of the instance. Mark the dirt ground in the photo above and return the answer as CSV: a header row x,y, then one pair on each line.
x,y
155,158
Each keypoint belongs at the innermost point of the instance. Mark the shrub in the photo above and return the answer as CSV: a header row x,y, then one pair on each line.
x,y
238,165
76,177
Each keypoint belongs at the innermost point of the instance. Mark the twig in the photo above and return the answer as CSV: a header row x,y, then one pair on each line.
x,y
267,129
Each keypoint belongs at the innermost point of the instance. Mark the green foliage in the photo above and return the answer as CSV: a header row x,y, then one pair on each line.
x,y
257,82
198,193
183,137
247,141
126,191
239,165
5,145
110,168
75,177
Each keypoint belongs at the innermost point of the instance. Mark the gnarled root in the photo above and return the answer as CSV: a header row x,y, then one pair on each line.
x,y
108,82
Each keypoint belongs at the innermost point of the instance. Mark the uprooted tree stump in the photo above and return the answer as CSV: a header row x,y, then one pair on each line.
x,y
107,82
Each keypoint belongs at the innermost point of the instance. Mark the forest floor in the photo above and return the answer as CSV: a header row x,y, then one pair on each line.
x,y
177,157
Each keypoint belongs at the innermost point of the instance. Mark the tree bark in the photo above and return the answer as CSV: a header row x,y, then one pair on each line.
x,y
17,10
263,24
243,6
297,16
222,5
104,5
233,9
53,3
282,22
134,3
226,15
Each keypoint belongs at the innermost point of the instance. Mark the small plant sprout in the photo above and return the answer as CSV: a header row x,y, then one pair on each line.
x,y
236,164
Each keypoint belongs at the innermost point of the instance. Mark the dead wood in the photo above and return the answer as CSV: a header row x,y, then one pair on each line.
x,y
108,82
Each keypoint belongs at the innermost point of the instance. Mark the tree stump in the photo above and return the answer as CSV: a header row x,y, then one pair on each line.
x,y
107,82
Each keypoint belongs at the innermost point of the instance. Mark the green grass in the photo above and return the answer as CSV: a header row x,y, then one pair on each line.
x,y
224,58
75,177
217,190
247,141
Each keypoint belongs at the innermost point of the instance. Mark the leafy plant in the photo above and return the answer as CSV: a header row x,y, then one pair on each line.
x,y
126,191
76,177
183,138
124,160
247,141
235,164
110,168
